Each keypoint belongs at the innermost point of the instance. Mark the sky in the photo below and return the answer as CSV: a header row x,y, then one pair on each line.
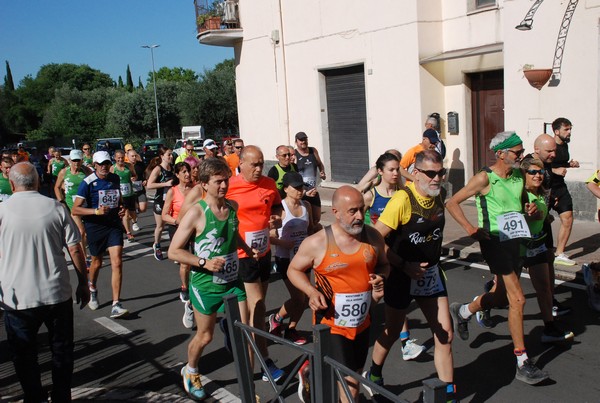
x,y
107,35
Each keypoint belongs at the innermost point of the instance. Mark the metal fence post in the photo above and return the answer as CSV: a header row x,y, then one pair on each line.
x,y
239,346
434,391
324,381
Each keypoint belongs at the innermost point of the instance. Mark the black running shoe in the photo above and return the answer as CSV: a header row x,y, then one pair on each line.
x,y
530,374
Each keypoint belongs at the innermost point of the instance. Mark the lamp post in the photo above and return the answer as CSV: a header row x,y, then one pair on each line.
x,y
151,47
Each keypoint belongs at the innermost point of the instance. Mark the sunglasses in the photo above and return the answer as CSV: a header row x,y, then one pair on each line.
x,y
285,155
239,147
75,160
433,174
536,171
105,163
86,149
517,153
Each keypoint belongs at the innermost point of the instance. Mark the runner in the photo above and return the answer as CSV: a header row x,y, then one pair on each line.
x,y
189,152
67,184
215,263
308,161
55,165
127,176
296,225
284,164
98,202
535,252
5,189
88,160
498,191
259,211
160,177
387,168
139,188
372,177
407,163
341,298
181,185
413,225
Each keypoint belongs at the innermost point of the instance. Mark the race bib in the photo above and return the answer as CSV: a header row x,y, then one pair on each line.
x,y
430,284
126,189
536,251
258,240
512,225
108,198
294,250
229,272
351,310
311,181
137,186
4,197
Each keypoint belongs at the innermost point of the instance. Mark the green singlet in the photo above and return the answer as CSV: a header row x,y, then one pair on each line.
x,y
57,166
125,179
504,197
72,182
5,190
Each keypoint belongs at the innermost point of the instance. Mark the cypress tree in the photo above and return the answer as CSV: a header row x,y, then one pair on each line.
x,y
129,80
9,84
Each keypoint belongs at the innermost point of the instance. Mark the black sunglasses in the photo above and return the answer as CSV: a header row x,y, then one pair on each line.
x,y
285,155
239,147
75,160
433,174
536,171
517,153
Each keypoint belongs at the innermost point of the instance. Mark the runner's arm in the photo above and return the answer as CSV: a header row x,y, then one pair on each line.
x,y
166,211
58,190
193,197
476,185
320,164
193,222
304,260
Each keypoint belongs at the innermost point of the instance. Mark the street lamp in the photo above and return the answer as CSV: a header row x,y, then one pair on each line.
x,y
151,47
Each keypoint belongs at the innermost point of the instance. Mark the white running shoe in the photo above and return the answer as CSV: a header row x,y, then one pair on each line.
x,y
93,304
411,350
118,311
188,316
135,226
564,260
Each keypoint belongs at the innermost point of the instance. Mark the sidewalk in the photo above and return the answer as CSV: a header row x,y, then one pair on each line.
x,y
583,246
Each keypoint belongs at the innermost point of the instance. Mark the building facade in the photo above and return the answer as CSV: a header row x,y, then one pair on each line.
x,y
361,77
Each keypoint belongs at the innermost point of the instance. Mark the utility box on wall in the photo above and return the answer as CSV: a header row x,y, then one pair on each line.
x,y
453,122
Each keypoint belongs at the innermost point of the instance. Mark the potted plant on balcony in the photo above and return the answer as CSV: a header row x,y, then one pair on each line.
x,y
210,19
537,77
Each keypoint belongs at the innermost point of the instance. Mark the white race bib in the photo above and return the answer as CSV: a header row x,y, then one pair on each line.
x,y
311,181
258,240
137,186
109,197
351,310
429,284
512,225
536,251
126,189
229,272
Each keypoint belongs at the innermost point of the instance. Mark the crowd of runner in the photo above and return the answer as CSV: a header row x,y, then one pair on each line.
x,y
230,226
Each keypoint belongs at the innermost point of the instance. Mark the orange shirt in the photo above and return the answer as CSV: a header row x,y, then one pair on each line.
x,y
233,160
255,200
344,281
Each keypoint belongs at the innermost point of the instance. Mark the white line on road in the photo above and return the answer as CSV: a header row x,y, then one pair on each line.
x,y
526,275
113,326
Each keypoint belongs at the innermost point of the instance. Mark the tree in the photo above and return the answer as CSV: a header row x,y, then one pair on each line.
x,y
218,101
120,82
129,80
175,74
140,85
9,84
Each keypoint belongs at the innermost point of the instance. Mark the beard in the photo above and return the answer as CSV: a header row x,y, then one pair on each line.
x,y
428,191
354,228
565,139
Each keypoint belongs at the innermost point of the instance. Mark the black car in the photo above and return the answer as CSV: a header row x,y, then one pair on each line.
x,y
150,149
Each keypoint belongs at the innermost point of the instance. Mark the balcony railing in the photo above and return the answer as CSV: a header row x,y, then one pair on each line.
x,y
217,15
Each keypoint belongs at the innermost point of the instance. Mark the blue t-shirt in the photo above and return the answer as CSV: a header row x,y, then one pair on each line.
x,y
99,192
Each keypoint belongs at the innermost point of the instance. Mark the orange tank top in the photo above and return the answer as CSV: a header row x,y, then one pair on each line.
x,y
178,199
344,281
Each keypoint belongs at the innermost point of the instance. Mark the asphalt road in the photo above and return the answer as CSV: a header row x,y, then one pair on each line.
x,y
139,358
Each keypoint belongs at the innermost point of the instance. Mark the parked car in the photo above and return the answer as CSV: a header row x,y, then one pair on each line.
x,y
111,145
150,149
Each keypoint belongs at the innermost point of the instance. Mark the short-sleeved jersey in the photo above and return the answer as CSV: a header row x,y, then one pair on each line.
x,y
504,197
90,189
344,282
233,160
408,159
5,189
255,200
184,155
594,179
560,161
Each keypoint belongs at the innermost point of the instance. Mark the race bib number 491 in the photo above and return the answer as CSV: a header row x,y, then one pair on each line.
x,y
512,225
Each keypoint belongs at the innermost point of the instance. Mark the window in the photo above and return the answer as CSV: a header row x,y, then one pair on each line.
x,y
475,6
484,3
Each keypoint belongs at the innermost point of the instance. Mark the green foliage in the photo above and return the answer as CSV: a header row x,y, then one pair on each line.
x,y
120,82
140,85
217,97
129,80
9,84
175,74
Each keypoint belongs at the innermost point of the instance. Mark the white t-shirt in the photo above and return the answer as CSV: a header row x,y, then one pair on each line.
x,y
34,229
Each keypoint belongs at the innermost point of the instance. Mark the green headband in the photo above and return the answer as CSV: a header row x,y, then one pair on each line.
x,y
510,142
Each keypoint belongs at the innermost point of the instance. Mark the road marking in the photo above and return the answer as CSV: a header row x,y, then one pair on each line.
x,y
113,326
526,275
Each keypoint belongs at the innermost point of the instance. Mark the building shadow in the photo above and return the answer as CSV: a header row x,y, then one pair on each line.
x,y
456,173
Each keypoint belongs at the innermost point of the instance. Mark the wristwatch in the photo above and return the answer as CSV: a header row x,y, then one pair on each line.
x,y
201,262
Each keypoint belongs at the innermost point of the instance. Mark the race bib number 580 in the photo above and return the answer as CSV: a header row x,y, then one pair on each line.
x,y
351,310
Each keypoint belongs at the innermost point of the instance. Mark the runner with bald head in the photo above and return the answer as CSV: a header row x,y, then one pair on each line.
x,y
350,266
259,212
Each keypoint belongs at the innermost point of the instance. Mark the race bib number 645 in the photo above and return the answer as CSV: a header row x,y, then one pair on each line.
x,y
109,198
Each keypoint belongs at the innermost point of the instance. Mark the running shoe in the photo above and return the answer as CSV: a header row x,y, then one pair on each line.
x,y
295,337
530,374
461,326
130,237
304,382
558,309
274,325
484,319
411,350
192,384
188,316
564,260
592,290
135,226
118,311
184,295
555,335
158,255
93,304
225,329
275,372
379,382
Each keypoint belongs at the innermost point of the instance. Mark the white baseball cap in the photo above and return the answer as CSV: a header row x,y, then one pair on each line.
x,y
101,156
76,155
210,144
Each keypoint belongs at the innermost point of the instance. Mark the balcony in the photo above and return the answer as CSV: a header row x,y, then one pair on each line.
x,y
218,22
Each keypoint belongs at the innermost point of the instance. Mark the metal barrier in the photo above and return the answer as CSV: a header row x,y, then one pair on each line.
x,y
324,374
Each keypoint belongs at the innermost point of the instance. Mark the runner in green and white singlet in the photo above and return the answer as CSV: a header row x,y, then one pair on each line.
x,y
5,189
127,175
